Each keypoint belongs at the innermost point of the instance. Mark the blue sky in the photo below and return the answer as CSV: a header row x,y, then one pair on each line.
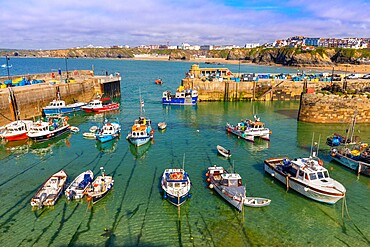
x,y
49,24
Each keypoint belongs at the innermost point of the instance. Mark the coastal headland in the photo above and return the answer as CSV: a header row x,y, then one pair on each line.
x,y
345,60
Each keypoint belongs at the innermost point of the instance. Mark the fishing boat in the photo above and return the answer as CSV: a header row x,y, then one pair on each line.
x,y
353,154
181,97
228,185
162,125
256,202
176,186
101,105
100,187
141,131
109,131
17,130
50,191
77,189
248,129
60,107
307,176
223,151
46,130
353,157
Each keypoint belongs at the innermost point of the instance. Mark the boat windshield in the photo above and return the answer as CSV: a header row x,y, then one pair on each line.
x,y
313,176
233,182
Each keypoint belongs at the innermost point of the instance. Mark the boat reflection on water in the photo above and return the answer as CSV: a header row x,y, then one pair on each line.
x,y
17,147
107,147
256,146
46,147
139,152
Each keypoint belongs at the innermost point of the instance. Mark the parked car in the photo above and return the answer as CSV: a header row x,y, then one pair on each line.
x,y
367,76
351,76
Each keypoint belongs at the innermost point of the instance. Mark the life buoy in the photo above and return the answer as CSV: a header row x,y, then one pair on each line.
x,y
321,163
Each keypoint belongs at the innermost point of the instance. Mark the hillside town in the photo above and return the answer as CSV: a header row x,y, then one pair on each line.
x,y
306,43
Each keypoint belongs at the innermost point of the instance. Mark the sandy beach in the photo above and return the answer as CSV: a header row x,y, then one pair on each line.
x,y
346,68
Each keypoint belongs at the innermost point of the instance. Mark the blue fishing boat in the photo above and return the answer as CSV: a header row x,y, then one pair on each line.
x,y
176,186
60,107
141,131
108,132
181,97
351,158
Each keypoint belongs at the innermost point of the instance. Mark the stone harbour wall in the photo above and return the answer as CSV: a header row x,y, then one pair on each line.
x,y
322,108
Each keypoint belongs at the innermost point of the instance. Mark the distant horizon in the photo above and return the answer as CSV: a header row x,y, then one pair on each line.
x,y
54,25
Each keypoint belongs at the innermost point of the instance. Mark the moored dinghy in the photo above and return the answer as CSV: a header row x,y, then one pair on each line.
x,y
100,187
256,202
80,184
50,191
228,185
223,151
176,186
162,125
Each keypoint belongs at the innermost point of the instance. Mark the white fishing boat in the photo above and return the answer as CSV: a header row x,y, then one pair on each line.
x,y
77,189
228,185
176,186
50,191
256,202
17,130
248,129
223,151
46,130
307,176
100,187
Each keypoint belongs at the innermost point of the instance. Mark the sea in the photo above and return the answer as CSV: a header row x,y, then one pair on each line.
x,y
134,213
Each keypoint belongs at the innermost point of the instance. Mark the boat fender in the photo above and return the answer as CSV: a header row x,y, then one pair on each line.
x,y
223,191
208,180
190,195
207,174
164,196
305,189
211,186
273,174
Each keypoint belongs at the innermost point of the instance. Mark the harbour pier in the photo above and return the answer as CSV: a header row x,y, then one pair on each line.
x,y
26,102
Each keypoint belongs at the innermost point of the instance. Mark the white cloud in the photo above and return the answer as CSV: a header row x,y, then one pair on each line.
x,y
52,24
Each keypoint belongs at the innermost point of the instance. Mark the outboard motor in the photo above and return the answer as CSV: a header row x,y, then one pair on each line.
x,y
42,199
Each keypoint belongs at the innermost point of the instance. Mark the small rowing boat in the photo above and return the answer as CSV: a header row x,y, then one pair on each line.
x,y
223,151
162,125
256,202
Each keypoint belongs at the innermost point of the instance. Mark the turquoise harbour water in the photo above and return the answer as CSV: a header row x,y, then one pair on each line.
x,y
134,213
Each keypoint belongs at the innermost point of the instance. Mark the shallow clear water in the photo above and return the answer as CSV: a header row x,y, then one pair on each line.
x,y
134,213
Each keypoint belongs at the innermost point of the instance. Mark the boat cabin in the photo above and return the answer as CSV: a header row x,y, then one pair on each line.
x,y
57,103
95,103
305,169
180,94
231,180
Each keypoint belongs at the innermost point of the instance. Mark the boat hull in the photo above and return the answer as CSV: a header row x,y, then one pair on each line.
x,y
180,101
237,203
139,141
16,137
249,135
106,138
303,189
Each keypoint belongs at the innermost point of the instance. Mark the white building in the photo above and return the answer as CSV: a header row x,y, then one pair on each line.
x,y
251,45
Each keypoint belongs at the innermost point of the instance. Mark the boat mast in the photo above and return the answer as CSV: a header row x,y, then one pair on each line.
x,y
183,162
353,126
